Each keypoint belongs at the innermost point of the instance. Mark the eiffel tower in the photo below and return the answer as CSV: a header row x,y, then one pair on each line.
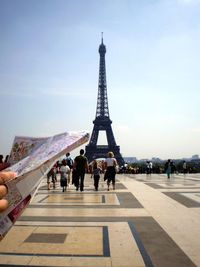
x,y
102,121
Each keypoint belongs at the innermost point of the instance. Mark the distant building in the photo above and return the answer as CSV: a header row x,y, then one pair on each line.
x,y
154,159
195,157
144,160
130,159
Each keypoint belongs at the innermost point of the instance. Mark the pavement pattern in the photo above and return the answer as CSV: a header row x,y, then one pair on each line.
x,y
148,220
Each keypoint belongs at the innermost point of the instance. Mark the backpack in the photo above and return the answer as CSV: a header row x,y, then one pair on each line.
x,y
69,162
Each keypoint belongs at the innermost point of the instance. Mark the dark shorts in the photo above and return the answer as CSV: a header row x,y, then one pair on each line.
x,y
110,174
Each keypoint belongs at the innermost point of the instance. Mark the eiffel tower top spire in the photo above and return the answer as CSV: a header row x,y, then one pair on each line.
x,y
102,47
102,99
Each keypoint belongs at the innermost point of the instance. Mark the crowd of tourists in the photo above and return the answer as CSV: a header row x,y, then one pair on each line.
x,y
168,166
68,172
72,172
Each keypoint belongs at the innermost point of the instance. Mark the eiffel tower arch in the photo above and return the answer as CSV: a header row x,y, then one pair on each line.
x,y
102,120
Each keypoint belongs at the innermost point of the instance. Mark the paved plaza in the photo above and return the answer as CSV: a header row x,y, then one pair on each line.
x,y
146,221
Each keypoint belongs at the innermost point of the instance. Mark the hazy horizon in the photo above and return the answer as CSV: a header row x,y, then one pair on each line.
x,y
50,65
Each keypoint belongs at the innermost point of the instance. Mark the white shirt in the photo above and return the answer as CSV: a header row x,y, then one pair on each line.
x,y
111,162
64,169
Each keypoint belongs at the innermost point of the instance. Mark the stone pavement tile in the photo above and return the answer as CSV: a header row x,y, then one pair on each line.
x,y
46,238
86,199
76,199
80,212
73,199
71,245
195,210
186,199
140,226
125,262
124,250
13,240
13,260
71,262
159,245
179,222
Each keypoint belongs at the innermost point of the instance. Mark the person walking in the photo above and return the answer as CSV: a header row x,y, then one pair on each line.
x,y
173,168
64,172
51,175
168,168
70,164
80,168
110,167
96,170
184,167
148,167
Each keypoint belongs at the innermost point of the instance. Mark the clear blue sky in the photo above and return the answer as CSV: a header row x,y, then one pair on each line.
x,y
49,64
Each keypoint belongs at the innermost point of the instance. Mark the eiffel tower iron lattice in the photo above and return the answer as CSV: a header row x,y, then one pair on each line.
x,y
102,121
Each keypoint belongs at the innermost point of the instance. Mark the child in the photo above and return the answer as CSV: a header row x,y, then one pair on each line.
x,y
51,175
96,173
64,172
